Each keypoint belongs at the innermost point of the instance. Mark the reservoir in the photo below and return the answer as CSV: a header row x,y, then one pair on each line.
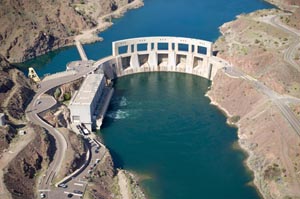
x,y
160,125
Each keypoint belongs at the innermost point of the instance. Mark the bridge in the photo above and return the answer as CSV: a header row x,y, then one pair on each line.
x,y
172,54
81,50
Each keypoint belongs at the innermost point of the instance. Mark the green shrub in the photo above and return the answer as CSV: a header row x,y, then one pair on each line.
x,y
234,119
67,96
57,93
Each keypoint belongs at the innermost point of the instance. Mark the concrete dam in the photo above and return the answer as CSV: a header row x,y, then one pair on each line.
x,y
171,54
148,54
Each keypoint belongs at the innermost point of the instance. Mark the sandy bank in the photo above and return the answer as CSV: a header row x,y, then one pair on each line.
x,y
104,22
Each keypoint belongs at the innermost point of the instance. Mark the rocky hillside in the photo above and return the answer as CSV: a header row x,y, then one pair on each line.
x,y
15,91
263,50
257,47
34,27
21,175
7,134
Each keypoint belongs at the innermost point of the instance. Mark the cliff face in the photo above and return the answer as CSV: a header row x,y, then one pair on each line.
x,y
29,28
15,92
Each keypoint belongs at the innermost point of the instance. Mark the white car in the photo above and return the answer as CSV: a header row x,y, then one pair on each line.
x,y
43,195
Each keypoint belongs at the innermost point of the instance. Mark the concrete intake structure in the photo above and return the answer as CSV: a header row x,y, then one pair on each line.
x,y
172,54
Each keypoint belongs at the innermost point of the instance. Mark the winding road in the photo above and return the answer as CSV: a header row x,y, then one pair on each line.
x,y
40,103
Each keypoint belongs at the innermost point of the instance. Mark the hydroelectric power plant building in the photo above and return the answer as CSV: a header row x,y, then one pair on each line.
x,y
84,102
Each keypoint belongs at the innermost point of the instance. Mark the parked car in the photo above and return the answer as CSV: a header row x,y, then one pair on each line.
x,y
62,185
78,192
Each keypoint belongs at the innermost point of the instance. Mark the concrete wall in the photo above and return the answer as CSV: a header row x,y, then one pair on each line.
x,y
81,110
174,54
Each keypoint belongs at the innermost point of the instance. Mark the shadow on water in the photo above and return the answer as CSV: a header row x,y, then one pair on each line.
x,y
117,159
106,122
40,61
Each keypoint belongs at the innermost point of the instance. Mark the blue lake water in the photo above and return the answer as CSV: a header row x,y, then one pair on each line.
x,y
160,125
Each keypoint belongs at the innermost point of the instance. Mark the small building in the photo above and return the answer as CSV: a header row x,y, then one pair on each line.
x,y
2,119
22,132
84,102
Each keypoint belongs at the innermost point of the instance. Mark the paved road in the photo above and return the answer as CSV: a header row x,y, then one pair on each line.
x,y
41,103
279,100
289,55
79,181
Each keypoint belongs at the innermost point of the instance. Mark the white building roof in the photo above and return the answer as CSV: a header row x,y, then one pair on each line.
x,y
88,89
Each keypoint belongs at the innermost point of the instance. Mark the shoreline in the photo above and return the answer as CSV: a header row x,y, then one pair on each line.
x,y
258,159
104,22
239,146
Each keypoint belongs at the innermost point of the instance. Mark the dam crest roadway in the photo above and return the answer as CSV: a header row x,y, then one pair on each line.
x,y
137,55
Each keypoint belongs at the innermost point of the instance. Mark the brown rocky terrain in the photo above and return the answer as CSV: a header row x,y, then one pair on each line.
x,y
102,182
255,46
21,174
7,134
263,133
75,154
31,28
15,93
109,183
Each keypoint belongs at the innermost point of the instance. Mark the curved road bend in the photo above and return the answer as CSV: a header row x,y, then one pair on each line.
x,y
40,103
289,53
